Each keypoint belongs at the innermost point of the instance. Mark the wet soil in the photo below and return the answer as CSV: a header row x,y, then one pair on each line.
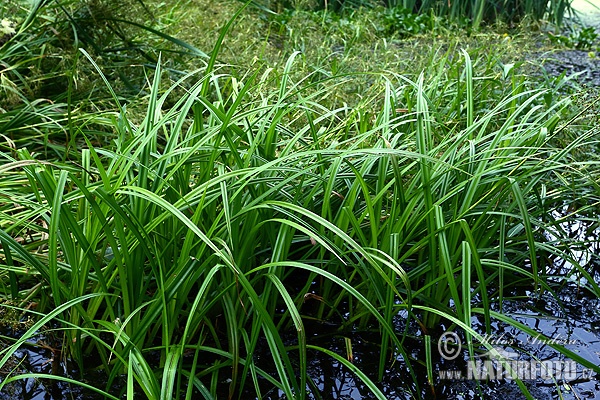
x,y
582,65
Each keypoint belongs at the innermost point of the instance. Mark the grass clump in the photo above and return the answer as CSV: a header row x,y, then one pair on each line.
x,y
402,21
580,39
184,253
475,13
189,233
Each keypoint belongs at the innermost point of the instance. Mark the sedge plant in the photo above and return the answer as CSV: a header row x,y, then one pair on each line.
x,y
188,233
180,252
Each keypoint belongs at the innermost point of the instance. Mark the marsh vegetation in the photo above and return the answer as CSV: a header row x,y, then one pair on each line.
x,y
235,201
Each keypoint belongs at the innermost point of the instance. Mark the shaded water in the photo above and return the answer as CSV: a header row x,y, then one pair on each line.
x,y
36,358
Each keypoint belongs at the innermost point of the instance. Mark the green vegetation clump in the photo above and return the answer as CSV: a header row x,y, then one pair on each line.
x,y
189,203
581,39
475,12
402,21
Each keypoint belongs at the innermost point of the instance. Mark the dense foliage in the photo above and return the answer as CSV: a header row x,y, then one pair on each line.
x,y
176,230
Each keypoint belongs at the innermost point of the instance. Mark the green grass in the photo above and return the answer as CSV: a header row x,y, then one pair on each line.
x,y
180,240
473,12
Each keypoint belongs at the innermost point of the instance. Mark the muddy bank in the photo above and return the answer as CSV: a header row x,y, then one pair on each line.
x,y
583,65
